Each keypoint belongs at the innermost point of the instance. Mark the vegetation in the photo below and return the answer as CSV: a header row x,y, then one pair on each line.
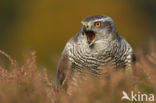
x,y
29,84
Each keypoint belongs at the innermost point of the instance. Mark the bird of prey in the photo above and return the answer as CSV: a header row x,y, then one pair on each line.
x,y
95,45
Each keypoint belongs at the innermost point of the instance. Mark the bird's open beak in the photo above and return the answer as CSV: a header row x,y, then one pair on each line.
x,y
90,35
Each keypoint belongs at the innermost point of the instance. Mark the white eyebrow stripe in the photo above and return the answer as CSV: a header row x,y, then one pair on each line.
x,y
104,19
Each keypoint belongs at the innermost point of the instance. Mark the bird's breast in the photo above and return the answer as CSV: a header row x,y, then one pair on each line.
x,y
80,57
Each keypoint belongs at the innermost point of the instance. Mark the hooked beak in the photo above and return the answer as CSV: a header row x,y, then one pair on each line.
x,y
90,35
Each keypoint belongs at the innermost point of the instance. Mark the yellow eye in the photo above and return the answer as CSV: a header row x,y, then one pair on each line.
x,y
98,24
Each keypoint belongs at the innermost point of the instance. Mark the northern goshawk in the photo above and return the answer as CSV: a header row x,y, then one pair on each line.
x,y
97,44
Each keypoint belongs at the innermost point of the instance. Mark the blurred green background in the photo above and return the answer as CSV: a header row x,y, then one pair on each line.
x,y
46,25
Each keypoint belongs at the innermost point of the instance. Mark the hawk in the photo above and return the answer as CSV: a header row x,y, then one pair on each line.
x,y
97,44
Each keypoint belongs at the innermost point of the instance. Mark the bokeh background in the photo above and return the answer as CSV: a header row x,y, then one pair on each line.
x,y
45,26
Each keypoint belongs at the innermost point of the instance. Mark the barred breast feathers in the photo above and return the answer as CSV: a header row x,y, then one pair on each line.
x,y
127,53
118,50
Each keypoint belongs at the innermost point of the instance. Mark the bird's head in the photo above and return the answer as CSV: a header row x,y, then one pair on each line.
x,y
98,27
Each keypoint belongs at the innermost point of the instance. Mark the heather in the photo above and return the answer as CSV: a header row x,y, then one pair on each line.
x,y
29,83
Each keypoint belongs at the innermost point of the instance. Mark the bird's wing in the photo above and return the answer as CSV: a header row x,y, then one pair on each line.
x,y
63,69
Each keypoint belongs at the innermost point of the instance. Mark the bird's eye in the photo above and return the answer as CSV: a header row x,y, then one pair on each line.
x,y
97,24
